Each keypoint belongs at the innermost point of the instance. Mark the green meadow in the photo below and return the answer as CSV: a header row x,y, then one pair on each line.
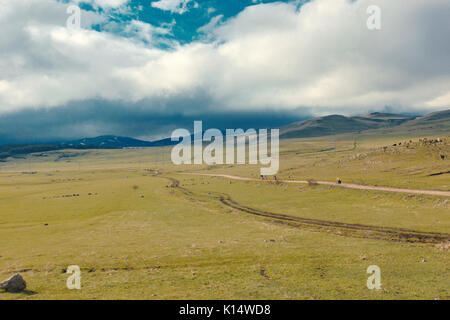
x,y
142,228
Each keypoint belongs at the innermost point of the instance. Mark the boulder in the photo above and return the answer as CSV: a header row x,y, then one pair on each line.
x,y
14,284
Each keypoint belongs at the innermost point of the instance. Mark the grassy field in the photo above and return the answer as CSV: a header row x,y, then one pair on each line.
x,y
140,228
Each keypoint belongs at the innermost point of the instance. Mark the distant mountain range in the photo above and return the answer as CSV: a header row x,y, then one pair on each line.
x,y
337,124
108,142
440,119
316,127
101,142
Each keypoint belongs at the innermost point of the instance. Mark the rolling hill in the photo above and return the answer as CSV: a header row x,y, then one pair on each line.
x,y
373,123
336,124
436,123
14,150
107,142
436,119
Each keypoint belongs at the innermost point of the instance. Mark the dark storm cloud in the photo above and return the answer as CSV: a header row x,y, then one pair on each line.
x,y
96,117
253,70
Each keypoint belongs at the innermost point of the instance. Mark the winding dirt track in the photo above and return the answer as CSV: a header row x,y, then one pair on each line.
x,y
339,228
334,184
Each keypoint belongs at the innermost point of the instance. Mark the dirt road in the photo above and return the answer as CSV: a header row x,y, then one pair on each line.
x,y
334,184
338,228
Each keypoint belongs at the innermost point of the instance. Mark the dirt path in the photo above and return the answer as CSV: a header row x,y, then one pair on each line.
x,y
338,228
334,184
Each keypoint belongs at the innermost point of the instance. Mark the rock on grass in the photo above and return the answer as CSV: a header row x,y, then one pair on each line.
x,y
14,284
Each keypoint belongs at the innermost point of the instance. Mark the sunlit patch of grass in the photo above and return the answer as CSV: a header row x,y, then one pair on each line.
x,y
156,242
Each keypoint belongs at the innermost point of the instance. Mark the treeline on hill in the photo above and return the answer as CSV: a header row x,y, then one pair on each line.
x,y
12,150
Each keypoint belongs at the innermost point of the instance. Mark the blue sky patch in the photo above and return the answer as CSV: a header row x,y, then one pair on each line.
x,y
182,22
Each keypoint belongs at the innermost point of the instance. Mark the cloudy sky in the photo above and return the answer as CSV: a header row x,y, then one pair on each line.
x,y
142,68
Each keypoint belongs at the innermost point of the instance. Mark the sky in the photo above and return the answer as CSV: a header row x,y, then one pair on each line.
x,y
144,68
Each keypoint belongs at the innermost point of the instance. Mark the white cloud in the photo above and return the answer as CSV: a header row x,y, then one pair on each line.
x,y
269,56
211,25
106,4
110,3
440,102
175,6
147,32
